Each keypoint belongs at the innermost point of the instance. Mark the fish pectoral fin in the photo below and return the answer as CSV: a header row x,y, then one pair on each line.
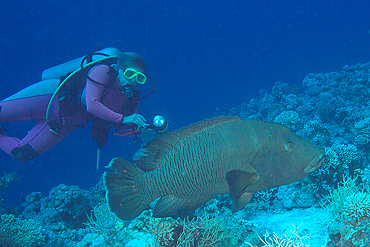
x,y
243,200
168,205
238,181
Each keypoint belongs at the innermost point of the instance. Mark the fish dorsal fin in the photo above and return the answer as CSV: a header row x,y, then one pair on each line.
x,y
152,155
238,181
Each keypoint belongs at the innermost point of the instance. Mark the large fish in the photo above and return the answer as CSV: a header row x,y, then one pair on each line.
x,y
189,166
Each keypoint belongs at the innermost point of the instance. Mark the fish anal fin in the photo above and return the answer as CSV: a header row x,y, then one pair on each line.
x,y
168,205
243,200
238,181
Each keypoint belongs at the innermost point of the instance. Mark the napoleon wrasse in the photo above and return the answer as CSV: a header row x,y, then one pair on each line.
x,y
187,167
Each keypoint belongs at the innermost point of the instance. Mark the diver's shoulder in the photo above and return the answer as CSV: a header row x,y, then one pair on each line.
x,y
100,68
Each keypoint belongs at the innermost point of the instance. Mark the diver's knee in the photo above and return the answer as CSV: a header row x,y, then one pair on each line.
x,y
24,153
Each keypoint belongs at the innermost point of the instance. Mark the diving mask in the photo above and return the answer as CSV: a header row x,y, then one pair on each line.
x,y
130,73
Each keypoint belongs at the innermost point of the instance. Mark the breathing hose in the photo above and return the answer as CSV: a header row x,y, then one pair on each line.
x,y
72,74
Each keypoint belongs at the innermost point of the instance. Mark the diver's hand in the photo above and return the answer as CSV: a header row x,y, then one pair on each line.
x,y
134,119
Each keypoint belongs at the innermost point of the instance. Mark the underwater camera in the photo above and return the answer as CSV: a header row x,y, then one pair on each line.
x,y
159,124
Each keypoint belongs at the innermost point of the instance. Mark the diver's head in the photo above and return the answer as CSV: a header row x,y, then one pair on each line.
x,y
131,60
131,69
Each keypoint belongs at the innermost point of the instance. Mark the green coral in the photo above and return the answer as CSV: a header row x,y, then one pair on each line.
x,y
15,232
348,209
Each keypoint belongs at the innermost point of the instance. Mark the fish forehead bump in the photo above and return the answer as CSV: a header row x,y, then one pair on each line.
x,y
301,146
273,130
283,156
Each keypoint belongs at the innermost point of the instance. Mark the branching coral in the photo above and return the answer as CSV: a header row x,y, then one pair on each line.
x,y
324,178
104,220
317,132
204,231
339,161
348,201
294,240
348,209
347,154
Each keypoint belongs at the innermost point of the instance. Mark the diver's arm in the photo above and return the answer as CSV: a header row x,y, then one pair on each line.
x,y
128,129
94,92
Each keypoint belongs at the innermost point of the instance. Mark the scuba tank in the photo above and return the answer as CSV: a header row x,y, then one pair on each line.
x,y
64,69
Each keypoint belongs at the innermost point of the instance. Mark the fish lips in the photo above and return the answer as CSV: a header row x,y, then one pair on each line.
x,y
315,163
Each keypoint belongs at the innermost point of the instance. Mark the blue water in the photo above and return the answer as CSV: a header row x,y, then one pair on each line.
x,y
203,55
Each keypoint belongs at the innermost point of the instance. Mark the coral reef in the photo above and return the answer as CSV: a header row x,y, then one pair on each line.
x,y
332,111
62,215
8,178
65,206
5,180
288,118
20,233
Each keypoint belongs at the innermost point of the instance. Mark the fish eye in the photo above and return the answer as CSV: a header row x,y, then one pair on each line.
x,y
289,145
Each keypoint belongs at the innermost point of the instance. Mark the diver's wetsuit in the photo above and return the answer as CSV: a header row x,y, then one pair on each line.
x,y
30,103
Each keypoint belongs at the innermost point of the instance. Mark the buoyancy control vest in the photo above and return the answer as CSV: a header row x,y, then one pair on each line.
x,y
69,93
70,90
73,75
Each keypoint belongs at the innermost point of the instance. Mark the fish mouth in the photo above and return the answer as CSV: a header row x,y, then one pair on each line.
x,y
315,163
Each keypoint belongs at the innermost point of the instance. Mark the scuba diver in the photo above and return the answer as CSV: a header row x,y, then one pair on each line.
x,y
104,91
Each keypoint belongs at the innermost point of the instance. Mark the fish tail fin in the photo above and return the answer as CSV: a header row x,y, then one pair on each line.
x,y
121,191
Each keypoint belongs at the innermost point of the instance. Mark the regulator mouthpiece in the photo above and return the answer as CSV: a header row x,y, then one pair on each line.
x,y
128,92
